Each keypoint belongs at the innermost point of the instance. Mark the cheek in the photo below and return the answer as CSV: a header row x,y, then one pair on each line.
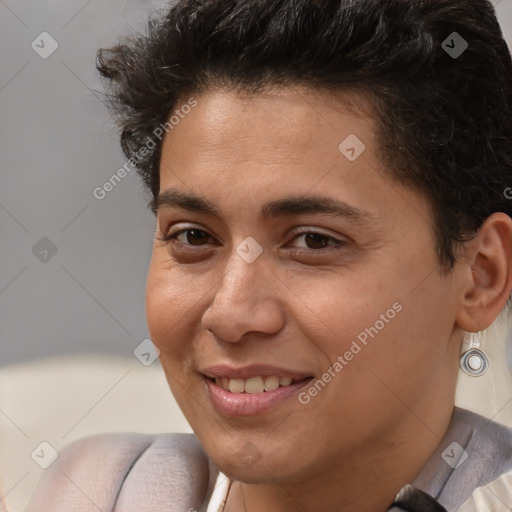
x,y
387,328
172,305
406,346
337,309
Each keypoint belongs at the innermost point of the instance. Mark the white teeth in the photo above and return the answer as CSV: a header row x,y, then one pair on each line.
x,y
252,385
236,385
271,383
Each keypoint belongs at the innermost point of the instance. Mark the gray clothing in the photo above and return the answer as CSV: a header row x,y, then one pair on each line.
x,y
171,473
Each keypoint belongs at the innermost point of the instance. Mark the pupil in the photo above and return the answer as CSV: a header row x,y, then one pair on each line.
x,y
195,236
315,240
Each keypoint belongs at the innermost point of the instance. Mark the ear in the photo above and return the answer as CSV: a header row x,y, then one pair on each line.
x,y
486,274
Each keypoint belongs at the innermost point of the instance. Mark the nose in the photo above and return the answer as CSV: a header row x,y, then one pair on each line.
x,y
246,300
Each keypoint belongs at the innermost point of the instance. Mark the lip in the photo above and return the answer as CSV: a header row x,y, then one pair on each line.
x,y
253,370
250,404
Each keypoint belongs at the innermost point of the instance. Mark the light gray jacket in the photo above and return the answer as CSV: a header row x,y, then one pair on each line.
x,y
171,473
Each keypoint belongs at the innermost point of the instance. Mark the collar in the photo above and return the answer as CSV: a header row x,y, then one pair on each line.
x,y
473,452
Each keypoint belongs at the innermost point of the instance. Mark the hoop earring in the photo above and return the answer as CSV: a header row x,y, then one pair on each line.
x,y
473,361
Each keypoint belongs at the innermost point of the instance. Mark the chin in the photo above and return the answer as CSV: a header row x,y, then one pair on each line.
x,y
260,468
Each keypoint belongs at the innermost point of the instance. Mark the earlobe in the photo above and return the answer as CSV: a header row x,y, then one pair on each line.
x,y
487,279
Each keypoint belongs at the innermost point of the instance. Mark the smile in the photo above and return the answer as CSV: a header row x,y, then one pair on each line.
x,y
253,385
253,396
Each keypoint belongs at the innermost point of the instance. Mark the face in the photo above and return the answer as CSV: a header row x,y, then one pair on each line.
x,y
287,257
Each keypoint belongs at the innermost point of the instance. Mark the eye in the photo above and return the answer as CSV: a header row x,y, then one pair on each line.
x,y
188,236
311,241
316,241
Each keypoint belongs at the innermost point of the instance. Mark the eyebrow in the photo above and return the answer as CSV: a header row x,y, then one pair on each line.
x,y
292,205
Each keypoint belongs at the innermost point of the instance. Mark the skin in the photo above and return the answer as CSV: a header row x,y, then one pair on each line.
x,y
300,306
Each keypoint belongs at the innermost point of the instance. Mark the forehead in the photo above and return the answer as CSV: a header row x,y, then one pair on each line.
x,y
290,105
285,128
254,147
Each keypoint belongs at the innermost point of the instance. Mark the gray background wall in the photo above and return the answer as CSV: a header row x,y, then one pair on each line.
x,y
57,145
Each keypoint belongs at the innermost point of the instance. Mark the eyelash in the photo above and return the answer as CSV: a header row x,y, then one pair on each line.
x,y
173,236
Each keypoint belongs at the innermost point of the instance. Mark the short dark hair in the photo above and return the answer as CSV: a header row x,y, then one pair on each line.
x,y
444,121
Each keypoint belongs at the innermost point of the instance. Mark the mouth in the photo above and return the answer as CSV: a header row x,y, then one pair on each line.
x,y
253,385
232,395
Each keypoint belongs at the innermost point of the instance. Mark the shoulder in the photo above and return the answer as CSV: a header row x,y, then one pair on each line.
x,y
491,443
126,472
483,457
